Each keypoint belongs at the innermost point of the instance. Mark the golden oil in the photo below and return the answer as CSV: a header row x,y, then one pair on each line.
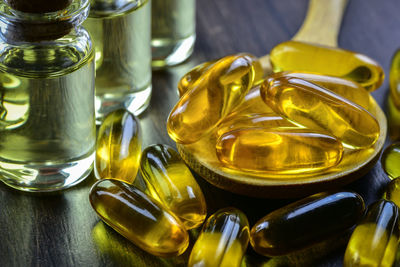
x,y
392,192
305,57
47,129
173,31
390,160
121,36
317,108
375,240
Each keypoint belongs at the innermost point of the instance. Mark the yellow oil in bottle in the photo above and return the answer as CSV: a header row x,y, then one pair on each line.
x,y
305,57
121,36
316,108
173,31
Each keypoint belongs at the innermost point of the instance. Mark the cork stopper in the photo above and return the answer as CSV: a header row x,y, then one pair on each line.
x,y
38,6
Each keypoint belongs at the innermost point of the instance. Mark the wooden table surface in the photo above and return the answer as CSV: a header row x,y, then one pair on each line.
x,y
62,229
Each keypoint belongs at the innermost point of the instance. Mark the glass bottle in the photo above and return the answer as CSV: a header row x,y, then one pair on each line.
x,y
47,124
120,30
173,31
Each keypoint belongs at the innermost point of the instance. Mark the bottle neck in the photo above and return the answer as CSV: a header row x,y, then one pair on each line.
x,y
35,27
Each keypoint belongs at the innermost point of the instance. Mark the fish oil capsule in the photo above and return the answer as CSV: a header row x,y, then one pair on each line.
x,y
306,222
391,160
374,241
319,109
192,76
118,147
394,79
254,120
271,150
170,181
392,192
222,241
305,57
348,89
139,218
212,97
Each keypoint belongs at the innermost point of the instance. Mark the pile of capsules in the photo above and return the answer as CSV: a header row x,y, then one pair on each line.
x,y
158,217
299,120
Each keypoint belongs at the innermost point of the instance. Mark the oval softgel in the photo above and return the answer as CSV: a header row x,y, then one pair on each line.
x,y
306,222
139,218
170,181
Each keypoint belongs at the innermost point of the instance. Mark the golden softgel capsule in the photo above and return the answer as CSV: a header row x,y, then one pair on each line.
x,y
392,192
187,81
348,89
390,160
170,181
394,79
319,109
306,222
374,241
305,57
222,241
212,97
118,147
139,218
285,151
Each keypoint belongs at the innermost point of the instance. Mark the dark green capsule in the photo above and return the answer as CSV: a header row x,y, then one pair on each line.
x,y
306,222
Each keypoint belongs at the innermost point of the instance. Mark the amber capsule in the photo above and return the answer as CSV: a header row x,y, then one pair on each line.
x,y
392,192
348,89
222,241
187,81
170,181
306,222
118,147
255,120
211,98
305,57
374,241
317,108
286,151
391,160
394,79
139,218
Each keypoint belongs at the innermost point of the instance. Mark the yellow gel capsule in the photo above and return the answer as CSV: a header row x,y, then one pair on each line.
x,y
374,241
319,109
211,98
139,218
222,241
348,89
287,151
391,160
187,81
254,120
306,222
394,79
170,181
392,192
305,57
118,147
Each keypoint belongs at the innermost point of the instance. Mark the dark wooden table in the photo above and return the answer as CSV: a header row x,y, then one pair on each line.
x,y
63,230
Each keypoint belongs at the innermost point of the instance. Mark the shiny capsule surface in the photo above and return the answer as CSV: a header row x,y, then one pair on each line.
x,y
186,82
170,181
118,147
211,98
305,57
306,222
222,241
271,150
319,109
392,192
394,79
374,241
390,160
348,89
139,218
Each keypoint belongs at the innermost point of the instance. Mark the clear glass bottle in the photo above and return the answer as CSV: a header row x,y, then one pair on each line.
x,y
47,123
173,30
120,30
